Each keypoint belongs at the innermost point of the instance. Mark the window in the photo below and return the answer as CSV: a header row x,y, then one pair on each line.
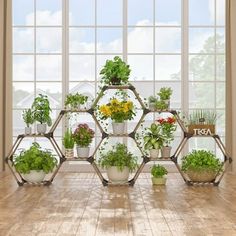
x,y
60,46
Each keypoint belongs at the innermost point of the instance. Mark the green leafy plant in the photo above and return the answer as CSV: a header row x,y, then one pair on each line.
x,y
158,171
119,156
153,138
34,159
68,140
28,117
207,117
74,100
115,71
161,105
165,93
200,160
41,110
152,99
83,135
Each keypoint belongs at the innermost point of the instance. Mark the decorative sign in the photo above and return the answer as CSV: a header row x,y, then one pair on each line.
x,y
202,132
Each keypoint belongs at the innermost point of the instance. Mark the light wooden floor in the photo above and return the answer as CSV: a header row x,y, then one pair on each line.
x,y
77,204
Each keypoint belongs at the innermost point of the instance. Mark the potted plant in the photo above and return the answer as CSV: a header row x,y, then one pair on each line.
x,y
119,162
83,137
201,122
28,117
41,110
115,72
161,105
68,143
153,140
158,175
73,101
152,103
33,164
201,166
164,94
118,111
168,127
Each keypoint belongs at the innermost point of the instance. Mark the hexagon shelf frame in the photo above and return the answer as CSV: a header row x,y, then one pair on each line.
x,y
226,163
91,159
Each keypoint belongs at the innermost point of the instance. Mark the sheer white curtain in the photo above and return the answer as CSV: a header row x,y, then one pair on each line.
x,y
5,80
231,80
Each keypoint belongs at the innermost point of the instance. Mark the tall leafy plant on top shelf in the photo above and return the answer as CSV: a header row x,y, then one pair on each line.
x,y
115,72
41,110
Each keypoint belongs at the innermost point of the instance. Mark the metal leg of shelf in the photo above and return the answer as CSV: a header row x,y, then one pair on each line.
x,y
57,121
98,172
57,149
55,172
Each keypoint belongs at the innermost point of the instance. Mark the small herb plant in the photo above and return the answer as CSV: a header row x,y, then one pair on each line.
x,y
153,138
118,111
207,117
115,71
201,160
41,110
83,135
34,159
165,93
161,105
74,100
28,117
119,156
158,171
152,99
68,140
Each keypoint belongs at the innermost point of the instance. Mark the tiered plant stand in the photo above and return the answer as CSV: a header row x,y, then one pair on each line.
x,y
92,160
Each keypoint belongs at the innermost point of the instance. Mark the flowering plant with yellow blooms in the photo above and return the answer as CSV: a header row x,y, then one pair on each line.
x,y
118,111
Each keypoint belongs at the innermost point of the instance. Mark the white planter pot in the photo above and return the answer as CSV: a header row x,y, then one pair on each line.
x,y
166,152
69,152
118,128
154,153
82,152
41,128
34,176
152,106
28,130
116,176
167,102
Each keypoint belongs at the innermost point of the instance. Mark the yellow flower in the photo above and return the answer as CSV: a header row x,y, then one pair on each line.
x,y
114,101
105,110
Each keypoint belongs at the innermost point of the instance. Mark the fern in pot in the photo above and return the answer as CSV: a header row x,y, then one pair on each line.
x,y
118,162
68,143
201,166
33,164
41,110
153,140
28,117
158,173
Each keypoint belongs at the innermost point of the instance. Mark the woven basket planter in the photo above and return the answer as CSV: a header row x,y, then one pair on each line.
x,y
192,129
201,176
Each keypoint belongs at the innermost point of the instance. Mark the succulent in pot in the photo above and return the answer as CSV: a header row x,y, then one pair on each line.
x,y
33,164
28,117
83,136
153,140
201,166
158,175
115,72
119,111
73,101
119,162
68,143
41,110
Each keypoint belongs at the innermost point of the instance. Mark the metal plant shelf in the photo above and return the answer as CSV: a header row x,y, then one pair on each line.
x,y
92,111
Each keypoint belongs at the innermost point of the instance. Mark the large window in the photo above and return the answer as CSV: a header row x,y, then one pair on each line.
x,y
59,46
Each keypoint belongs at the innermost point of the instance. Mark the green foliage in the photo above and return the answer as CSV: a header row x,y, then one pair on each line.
x,y
74,100
199,160
34,159
41,109
161,105
68,140
202,117
153,138
119,156
165,93
28,117
115,71
158,171
83,135
152,99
